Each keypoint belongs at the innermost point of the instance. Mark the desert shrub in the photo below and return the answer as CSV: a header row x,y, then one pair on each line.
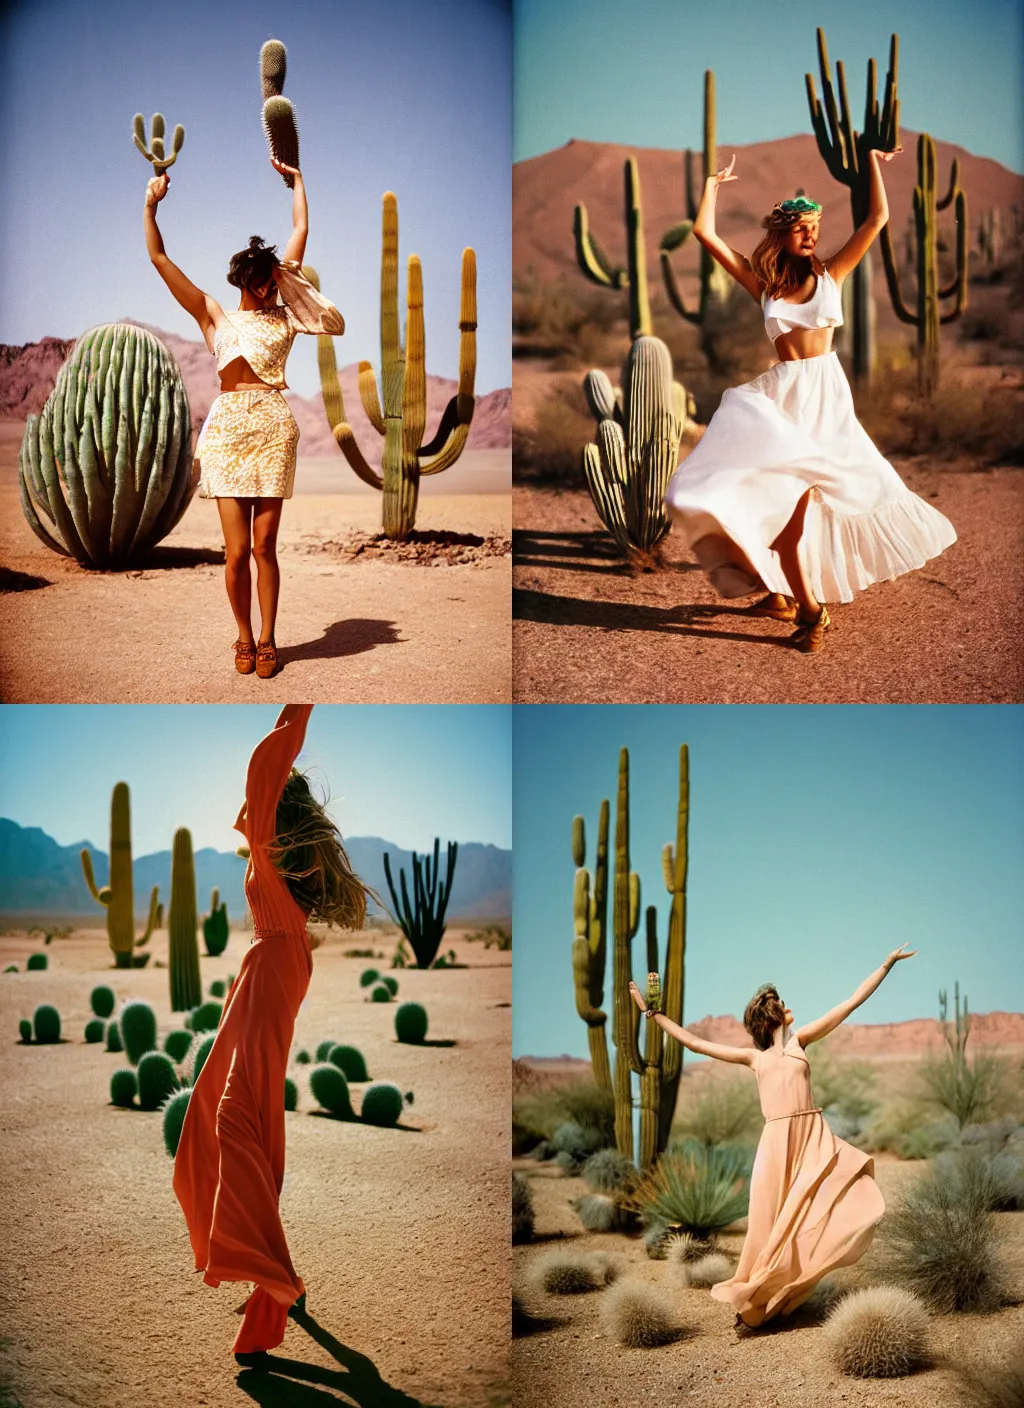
x,y
968,1089
576,1141
176,1044
218,988
36,962
522,1211
995,1135
382,1103
46,1023
380,993
842,1126
11,968
682,1248
390,983
707,1271
173,1111
983,420
368,977
723,1111
114,1042
291,1094
157,1079
492,936
551,448
608,1171
411,1023
330,1089
138,1030
993,1383
202,1051
324,1049
123,1087
844,1087
349,1059
571,323
302,1057
904,1128
536,1115
542,1151
880,1332
102,1000
25,1030
994,1177
206,1017
568,1273
701,1190
597,1212
639,1316
94,1030
939,1242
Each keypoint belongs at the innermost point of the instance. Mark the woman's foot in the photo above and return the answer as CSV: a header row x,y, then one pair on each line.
x,y
266,659
255,1359
245,656
810,634
775,605
297,1307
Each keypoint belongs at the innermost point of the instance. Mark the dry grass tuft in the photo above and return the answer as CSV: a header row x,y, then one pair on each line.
x,y
638,1316
596,1211
568,1273
683,1247
880,1332
522,1210
707,1272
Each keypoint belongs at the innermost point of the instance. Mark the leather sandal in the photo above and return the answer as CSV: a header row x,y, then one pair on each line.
x,y
266,659
777,606
245,656
811,634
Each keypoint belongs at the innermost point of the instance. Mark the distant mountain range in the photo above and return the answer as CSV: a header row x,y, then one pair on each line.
x,y
40,877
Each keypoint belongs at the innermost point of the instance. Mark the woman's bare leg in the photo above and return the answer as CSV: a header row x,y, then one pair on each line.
x,y
787,545
266,520
234,521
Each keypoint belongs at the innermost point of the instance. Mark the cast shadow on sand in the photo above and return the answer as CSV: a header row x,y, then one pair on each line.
x,y
590,551
11,581
162,558
680,620
340,639
277,1382
365,1124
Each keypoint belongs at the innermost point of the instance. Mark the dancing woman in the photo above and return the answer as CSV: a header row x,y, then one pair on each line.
x,y
786,490
813,1198
229,1167
245,454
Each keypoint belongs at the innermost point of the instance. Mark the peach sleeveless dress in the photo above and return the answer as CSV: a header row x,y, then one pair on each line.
x,y
229,1166
814,1202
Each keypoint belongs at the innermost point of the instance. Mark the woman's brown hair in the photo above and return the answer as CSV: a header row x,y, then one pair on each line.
x,y
309,854
764,1013
251,268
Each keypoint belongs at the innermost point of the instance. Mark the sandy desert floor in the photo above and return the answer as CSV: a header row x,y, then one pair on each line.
x,y
400,1234
587,629
351,629
572,1363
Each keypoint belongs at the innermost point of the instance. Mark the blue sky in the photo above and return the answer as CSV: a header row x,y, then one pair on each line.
x,y
406,773
821,837
397,96
606,72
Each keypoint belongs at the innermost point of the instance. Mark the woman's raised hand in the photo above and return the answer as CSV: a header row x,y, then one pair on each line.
x,y
156,188
637,997
888,156
902,952
284,170
726,173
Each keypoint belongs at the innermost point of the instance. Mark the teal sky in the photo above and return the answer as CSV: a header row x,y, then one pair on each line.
x,y
398,95
607,72
821,837
406,773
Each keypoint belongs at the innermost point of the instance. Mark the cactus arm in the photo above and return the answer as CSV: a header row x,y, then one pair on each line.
x,y
672,288
892,278
954,182
640,324
445,426
830,152
34,522
369,397
958,284
837,135
90,879
846,121
591,258
467,337
343,434
691,199
451,452
153,922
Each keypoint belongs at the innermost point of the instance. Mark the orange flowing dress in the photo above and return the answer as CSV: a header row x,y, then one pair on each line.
x,y
229,1166
814,1202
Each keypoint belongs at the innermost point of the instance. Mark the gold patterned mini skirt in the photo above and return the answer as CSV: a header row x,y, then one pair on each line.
x,y
247,447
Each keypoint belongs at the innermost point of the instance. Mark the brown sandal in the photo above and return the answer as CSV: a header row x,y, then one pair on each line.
x,y
245,656
811,634
266,659
775,605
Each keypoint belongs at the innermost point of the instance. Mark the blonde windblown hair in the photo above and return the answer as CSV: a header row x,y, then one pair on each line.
x,y
780,272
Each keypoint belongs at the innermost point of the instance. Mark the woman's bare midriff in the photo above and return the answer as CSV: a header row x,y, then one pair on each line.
x,y
800,343
239,376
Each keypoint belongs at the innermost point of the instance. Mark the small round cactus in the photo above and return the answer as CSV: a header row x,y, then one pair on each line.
x,y
46,1023
114,1042
138,1030
36,961
323,1050
102,1000
176,1043
25,1029
639,1316
411,1023
597,1212
173,1111
706,1272
880,1332
206,1017
330,1089
94,1030
157,1079
11,968
349,1060
123,1086
291,1093
390,983
368,977
568,1273
302,1057
202,1051
381,993
382,1103
218,988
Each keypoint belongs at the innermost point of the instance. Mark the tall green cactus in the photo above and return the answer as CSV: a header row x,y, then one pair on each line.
x,y
956,1036
846,155
118,896
422,920
279,124
715,283
990,238
589,948
596,265
182,925
106,468
215,926
403,391
928,316
625,921
155,151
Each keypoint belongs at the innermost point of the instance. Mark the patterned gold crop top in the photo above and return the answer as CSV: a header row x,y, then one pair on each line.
x,y
264,336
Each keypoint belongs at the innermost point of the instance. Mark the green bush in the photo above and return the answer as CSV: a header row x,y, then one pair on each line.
x,y
123,1087
176,1044
46,1023
202,1051
700,1189
102,1000
969,1090
536,1116
349,1059
381,993
173,1111
157,1079
522,1211
724,1110
843,1086
382,1103
572,1139
994,1177
608,1171
368,977
291,1094
36,962
411,1023
330,1090
94,1030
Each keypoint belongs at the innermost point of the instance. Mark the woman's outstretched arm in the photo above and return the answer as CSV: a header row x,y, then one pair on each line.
x,y
203,308
704,232
855,248
814,1031
739,1055
296,246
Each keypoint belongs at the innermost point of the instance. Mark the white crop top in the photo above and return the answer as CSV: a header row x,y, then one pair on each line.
x,y
264,336
824,309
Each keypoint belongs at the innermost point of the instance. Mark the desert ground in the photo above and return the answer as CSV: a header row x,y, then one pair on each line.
x,y
357,623
401,1235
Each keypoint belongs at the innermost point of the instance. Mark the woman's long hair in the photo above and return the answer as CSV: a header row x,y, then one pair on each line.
x,y
764,1013
780,272
309,854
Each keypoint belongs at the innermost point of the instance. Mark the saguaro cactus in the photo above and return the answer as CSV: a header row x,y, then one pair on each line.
x,y
399,412
106,468
155,151
118,895
990,238
183,948
596,265
928,316
279,125
422,921
957,1034
625,921
215,926
846,155
589,948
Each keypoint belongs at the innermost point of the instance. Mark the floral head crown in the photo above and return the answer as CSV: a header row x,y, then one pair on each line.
x,y
787,212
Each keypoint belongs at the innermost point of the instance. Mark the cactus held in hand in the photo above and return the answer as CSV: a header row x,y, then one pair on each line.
x,y
138,1030
215,926
154,152
118,895
279,125
411,1023
422,921
182,925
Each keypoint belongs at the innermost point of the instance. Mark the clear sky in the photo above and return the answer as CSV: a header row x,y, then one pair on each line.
x,y
406,773
608,72
821,837
398,95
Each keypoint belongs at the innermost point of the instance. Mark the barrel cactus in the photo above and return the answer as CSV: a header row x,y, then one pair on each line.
x,y
138,1030
36,961
382,1103
279,125
182,924
173,1111
106,467
94,1030
302,1057
380,993
411,1023
202,1051
323,1050
206,1017
215,926
330,1089
46,1023
123,1086
368,977
349,1060
177,1043
114,1042
390,983
218,988
291,1093
157,1079
102,1001
25,1030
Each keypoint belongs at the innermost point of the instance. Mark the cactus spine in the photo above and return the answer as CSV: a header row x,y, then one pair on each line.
x,y
422,921
118,896
399,411
589,948
155,151
106,468
182,924
928,315
846,155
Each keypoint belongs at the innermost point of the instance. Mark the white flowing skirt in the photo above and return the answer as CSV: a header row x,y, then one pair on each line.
x,y
792,429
